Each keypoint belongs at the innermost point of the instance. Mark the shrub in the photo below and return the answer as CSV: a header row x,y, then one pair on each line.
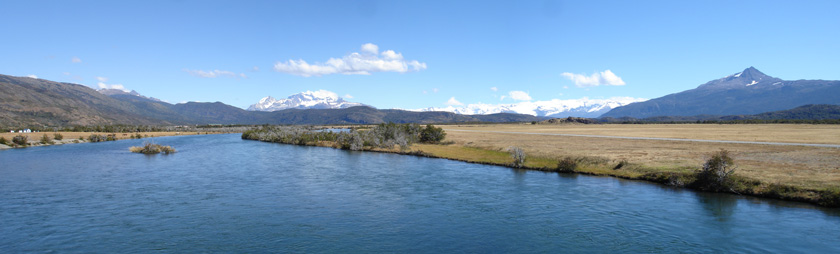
x,y
620,164
58,136
717,172
151,148
96,138
567,165
518,156
111,137
20,140
431,134
46,140
3,141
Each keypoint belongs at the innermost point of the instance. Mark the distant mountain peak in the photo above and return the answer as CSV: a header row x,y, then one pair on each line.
x,y
747,78
320,99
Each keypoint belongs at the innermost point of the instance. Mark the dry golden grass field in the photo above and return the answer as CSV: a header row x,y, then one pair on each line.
x,y
800,166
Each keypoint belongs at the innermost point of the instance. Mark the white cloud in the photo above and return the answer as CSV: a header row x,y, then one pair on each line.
x,y
453,102
519,96
76,60
32,76
66,73
102,85
102,79
607,78
348,96
255,68
370,60
370,48
435,90
501,98
215,73
494,89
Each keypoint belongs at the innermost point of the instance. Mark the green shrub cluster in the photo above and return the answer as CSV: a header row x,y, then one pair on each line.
x,y
20,140
567,165
46,140
100,138
381,136
58,136
716,174
3,141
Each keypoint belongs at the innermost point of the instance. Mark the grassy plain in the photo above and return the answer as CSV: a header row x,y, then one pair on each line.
x,y
798,166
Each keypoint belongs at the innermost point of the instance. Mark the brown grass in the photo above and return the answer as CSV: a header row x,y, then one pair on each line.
x,y
76,135
804,167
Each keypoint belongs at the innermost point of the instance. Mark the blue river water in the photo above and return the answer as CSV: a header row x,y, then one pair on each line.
x,y
220,193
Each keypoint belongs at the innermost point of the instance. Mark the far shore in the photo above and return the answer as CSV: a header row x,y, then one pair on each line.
x,y
34,138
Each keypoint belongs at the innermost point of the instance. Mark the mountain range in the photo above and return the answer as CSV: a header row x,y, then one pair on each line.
x,y
585,107
321,99
743,93
26,101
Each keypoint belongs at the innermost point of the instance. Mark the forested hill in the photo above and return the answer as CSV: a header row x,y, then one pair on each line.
x,y
27,102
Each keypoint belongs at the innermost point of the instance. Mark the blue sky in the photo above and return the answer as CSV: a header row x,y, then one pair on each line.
x,y
237,52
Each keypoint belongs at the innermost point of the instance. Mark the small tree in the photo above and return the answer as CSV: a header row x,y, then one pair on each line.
x,y
518,156
3,141
431,134
46,139
20,140
58,136
717,171
567,165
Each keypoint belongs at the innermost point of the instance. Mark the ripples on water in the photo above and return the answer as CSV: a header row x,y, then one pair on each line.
x,y
220,193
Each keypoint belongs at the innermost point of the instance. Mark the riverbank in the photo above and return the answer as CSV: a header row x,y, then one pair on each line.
x,y
34,138
796,173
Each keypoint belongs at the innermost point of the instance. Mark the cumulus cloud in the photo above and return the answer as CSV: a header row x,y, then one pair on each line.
x,y
519,96
364,63
607,78
102,85
494,89
453,102
102,79
348,96
32,76
215,74
76,60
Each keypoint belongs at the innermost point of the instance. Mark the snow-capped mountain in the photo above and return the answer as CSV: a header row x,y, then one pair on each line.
x,y
321,99
744,93
583,107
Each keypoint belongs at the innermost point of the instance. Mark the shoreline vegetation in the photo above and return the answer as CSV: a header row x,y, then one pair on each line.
x,y
717,172
75,135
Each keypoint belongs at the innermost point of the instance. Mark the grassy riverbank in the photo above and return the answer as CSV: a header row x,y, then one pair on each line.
x,y
807,174
36,138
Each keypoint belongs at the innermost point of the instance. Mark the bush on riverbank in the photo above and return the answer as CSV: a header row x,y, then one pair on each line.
x,y
100,138
518,156
3,141
20,140
58,136
152,148
384,136
567,165
46,140
716,174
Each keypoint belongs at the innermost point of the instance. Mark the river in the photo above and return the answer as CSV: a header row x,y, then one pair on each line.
x,y
220,193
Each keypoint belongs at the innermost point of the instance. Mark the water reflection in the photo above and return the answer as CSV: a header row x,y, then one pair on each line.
x,y
718,205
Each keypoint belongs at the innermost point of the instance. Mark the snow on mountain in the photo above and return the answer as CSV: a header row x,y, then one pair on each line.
x,y
321,99
583,107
